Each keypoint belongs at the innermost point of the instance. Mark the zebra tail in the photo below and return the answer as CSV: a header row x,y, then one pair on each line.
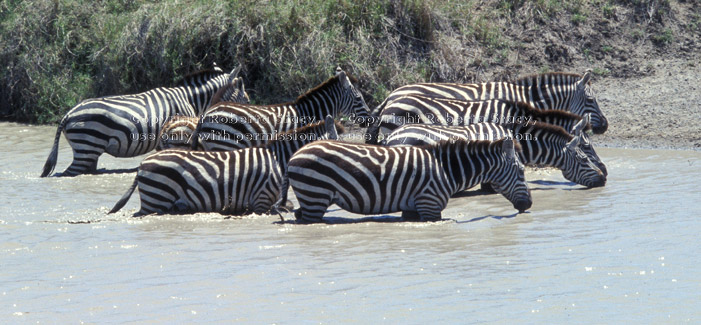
x,y
53,155
125,197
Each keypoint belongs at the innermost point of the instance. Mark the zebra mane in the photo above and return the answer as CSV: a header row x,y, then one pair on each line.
x,y
326,84
547,127
208,73
461,143
301,130
532,78
554,113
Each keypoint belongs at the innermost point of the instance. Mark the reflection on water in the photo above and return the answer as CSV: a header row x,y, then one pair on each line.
x,y
624,252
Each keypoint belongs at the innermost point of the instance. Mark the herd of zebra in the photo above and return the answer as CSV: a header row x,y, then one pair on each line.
x,y
216,152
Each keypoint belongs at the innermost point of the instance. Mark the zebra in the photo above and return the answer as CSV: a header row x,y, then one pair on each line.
x,y
234,182
556,90
421,109
177,132
543,145
128,125
228,126
372,179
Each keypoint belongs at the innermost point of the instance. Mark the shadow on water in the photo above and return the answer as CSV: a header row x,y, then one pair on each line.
x,y
553,183
491,216
103,171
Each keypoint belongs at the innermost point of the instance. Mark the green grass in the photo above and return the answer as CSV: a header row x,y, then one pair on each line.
x,y
56,53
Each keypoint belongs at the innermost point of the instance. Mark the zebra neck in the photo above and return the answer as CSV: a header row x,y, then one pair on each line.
x,y
198,93
463,168
547,91
319,102
541,146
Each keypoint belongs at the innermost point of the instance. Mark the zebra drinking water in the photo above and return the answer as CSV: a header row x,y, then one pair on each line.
x,y
542,145
234,182
418,181
556,90
228,126
128,125
427,110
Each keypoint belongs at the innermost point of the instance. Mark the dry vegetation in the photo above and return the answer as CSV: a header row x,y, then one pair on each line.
x,y
56,53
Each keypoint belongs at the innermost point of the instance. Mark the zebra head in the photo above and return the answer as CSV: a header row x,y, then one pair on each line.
x,y
234,91
585,143
585,103
509,179
579,168
352,102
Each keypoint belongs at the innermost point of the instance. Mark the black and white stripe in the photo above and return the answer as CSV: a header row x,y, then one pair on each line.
x,y
417,109
128,125
234,182
560,91
228,126
418,181
543,145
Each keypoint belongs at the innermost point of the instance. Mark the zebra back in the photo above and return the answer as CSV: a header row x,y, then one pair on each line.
x,y
429,110
557,90
228,126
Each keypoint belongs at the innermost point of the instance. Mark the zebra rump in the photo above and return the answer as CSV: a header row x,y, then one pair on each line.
x,y
370,179
128,125
543,145
235,182
229,126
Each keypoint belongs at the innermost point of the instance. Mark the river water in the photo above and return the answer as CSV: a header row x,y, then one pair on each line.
x,y
627,252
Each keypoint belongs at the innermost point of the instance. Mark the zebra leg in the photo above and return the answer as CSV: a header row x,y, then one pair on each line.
x,y
305,218
84,162
411,216
429,210
487,187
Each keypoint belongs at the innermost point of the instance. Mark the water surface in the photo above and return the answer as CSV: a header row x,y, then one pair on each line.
x,y
627,252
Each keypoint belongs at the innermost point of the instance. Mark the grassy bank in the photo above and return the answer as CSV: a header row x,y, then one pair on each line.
x,y
56,53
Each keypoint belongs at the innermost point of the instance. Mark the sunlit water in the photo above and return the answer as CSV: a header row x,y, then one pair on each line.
x,y
628,252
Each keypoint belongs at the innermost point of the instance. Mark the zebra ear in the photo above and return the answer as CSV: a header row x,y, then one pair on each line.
x,y
331,131
215,67
574,143
585,79
234,73
343,78
238,83
579,127
508,147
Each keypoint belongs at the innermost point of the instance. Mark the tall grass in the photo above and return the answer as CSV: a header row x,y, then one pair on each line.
x,y
55,53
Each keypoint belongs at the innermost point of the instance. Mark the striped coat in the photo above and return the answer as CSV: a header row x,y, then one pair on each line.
x,y
543,145
235,182
128,125
418,181
228,126
557,90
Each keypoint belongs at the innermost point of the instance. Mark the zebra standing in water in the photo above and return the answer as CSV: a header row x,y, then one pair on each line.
x,y
177,132
128,125
561,91
234,182
418,181
543,145
229,126
416,109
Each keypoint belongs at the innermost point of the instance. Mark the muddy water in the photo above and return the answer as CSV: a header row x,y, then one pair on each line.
x,y
626,252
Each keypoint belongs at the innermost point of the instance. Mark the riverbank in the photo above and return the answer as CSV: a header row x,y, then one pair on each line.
x,y
660,110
